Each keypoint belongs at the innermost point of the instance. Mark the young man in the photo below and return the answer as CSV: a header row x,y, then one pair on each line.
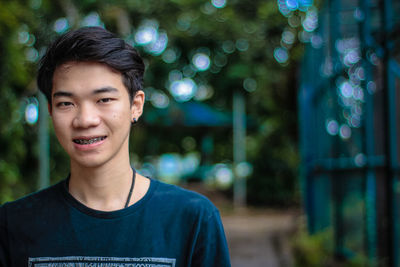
x,y
104,213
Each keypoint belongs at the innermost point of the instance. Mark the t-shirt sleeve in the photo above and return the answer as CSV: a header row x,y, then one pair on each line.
x,y
211,248
3,238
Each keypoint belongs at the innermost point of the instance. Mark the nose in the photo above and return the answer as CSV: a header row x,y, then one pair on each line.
x,y
86,117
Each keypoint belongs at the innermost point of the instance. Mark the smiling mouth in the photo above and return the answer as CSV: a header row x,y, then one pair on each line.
x,y
89,141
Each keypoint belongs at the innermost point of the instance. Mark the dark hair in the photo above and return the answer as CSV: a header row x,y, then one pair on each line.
x,y
92,44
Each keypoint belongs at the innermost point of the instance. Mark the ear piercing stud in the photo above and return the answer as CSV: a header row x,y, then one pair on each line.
x,y
134,121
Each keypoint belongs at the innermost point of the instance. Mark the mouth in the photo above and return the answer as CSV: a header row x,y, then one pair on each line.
x,y
88,141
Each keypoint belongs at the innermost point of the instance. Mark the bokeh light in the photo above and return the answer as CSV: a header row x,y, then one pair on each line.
x,y
310,23
218,3
250,84
332,127
242,45
158,46
169,56
31,113
92,19
345,131
201,61
204,92
147,32
228,47
32,54
159,99
61,25
223,175
183,90
281,55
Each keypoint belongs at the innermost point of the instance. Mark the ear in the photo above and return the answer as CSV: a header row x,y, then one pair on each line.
x,y
137,105
49,108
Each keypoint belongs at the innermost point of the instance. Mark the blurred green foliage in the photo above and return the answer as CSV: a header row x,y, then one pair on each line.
x,y
317,250
27,26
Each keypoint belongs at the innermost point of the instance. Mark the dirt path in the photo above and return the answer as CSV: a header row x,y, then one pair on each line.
x,y
259,238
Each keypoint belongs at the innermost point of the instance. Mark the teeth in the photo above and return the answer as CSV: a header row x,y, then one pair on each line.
x,y
88,141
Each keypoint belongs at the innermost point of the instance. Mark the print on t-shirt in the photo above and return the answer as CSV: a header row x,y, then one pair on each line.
x,y
100,261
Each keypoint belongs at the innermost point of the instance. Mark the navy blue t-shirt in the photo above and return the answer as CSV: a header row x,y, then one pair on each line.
x,y
169,226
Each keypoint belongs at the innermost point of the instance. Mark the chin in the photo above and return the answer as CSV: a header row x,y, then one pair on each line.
x,y
89,162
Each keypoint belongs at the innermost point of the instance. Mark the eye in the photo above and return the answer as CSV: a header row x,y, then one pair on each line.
x,y
64,104
105,100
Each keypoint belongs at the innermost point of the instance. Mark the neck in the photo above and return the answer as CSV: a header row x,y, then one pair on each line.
x,y
102,188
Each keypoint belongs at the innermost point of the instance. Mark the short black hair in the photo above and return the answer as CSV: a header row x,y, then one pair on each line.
x,y
92,44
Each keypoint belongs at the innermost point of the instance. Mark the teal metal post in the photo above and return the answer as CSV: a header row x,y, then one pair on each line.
x,y
369,140
44,170
239,148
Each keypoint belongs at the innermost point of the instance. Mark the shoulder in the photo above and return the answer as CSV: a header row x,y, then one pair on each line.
x,y
173,195
33,201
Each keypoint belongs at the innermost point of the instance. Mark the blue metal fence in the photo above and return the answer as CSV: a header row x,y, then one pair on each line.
x,y
349,108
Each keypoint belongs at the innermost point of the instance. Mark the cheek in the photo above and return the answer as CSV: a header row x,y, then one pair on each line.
x,y
60,127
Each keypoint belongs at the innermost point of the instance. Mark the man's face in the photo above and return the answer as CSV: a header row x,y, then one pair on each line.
x,y
92,113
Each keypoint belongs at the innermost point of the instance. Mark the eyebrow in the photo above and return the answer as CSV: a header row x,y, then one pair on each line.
x,y
107,89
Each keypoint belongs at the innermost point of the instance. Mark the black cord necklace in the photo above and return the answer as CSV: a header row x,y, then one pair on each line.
x,y
131,190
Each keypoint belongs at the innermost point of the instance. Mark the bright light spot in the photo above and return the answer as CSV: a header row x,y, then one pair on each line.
x,y
157,47
345,131
32,54
92,19
183,90
351,57
250,84
346,89
31,113
218,3
61,25
310,23
242,45
223,176
244,169
228,46
283,8
292,4
201,61
159,99
281,55
146,34
332,127
204,92
360,160
169,56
